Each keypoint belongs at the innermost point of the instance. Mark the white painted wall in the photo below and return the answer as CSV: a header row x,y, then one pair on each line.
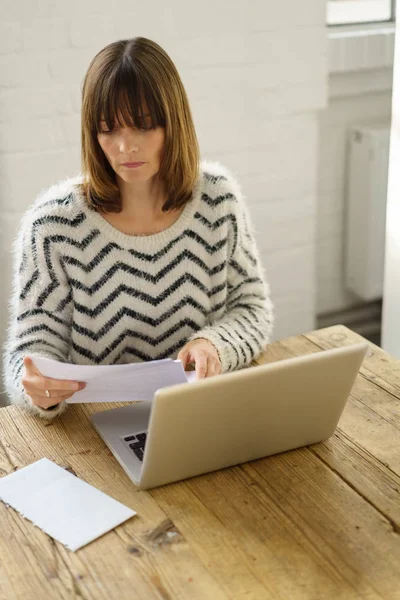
x,y
391,288
356,97
256,77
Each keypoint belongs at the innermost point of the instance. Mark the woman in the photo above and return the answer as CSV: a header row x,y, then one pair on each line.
x,y
147,254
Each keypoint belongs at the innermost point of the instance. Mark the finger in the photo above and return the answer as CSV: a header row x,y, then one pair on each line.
x,y
52,401
201,365
183,357
58,385
64,397
217,366
29,366
37,381
211,367
55,395
44,402
47,405
33,390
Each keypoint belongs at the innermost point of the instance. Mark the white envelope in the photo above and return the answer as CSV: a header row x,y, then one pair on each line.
x,y
62,505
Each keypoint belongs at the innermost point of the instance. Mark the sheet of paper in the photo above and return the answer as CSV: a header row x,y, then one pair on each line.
x,y
116,383
62,505
190,376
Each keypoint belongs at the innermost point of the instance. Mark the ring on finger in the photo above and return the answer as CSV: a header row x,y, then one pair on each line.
x,y
48,394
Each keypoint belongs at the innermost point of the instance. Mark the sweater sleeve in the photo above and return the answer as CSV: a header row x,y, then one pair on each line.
x,y
245,329
39,309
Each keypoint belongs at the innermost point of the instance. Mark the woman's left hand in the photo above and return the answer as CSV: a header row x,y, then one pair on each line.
x,y
205,356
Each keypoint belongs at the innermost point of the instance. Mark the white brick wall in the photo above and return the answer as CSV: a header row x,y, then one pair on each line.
x,y
256,77
361,105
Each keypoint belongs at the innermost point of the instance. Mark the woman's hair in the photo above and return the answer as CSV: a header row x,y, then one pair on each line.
x,y
120,78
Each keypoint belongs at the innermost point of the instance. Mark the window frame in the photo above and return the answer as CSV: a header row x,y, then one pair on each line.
x,y
391,19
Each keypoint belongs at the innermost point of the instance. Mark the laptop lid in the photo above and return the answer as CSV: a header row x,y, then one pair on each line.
x,y
247,414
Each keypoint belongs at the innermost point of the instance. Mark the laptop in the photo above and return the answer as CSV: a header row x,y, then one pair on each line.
x,y
194,428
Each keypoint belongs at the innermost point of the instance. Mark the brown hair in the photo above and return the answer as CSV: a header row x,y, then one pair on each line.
x,y
119,78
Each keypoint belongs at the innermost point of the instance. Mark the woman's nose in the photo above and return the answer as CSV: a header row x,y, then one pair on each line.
x,y
128,141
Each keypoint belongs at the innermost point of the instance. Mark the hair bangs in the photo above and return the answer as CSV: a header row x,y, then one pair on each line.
x,y
128,101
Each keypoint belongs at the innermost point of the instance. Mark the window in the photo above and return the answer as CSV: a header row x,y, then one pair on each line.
x,y
344,12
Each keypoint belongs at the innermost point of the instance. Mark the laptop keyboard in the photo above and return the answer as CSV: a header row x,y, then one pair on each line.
x,y
136,442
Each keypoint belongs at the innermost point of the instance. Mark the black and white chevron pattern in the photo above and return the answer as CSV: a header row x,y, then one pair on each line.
x,y
86,293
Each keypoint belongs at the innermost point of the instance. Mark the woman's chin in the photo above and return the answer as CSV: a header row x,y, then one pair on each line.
x,y
136,175
131,175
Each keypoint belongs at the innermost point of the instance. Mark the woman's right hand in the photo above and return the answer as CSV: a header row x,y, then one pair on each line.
x,y
35,385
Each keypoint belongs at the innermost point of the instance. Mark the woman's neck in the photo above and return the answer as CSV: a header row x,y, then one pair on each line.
x,y
143,201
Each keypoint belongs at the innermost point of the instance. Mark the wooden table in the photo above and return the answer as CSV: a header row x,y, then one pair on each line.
x,y
321,522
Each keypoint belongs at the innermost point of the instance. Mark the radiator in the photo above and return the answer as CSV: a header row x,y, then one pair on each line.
x,y
365,214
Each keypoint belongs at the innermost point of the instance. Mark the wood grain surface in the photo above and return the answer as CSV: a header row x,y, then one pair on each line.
x,y
321,522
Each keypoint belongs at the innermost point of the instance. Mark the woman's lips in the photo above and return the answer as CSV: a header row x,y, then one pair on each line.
x,y
133,165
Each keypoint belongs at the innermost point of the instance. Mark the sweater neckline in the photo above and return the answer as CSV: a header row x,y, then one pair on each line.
x,y
144,241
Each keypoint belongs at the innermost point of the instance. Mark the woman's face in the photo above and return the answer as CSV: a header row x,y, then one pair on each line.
x,y
124,146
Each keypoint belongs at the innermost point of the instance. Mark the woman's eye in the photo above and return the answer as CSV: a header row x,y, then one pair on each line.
x,y
107,131
143,127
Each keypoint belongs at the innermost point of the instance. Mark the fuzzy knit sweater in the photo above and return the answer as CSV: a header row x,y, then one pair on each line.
x,y
86,293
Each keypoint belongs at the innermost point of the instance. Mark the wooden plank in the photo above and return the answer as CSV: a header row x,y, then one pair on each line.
x,y
220,546
129,560
237,532
297,525
379,367
372,433
364,473
29,563
346,530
